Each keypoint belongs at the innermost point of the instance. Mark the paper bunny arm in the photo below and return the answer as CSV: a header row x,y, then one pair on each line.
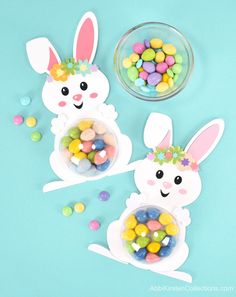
x,y
135,199
58,124
108,111
182,215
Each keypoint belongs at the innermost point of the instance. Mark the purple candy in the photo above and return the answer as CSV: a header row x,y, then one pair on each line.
x,y
146,43
154,78
149,67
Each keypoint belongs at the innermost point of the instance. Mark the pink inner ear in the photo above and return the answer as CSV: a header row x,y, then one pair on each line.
x,y
85,41
52,59
203,143
166,141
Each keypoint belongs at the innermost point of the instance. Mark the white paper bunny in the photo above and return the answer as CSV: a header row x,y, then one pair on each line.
x,y
167,186
74,95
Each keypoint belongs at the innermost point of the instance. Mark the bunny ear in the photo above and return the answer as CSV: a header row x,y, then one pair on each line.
x,y
86,38
205,140
42,55
158,131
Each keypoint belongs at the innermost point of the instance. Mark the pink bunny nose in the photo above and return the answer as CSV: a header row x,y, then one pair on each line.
x,y
167,185
77,97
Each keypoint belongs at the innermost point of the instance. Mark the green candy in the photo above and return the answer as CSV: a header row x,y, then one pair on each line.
x,y
74,133
129,247
178,59
177,68
148,54
170,73
132,73
143,241
91,156
66,140
67,211
158,235
36,136
175,77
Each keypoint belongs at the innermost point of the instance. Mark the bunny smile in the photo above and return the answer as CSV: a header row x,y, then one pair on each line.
x,y
78,106
163,194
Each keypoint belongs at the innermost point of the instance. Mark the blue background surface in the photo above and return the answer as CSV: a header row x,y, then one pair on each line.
x,y
43,254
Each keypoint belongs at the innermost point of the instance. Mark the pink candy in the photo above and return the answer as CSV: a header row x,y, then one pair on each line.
x,y
153,225
151,258
143,75
110,150
94,225
87,146
161,67
18,120
138,47
170,60
100,157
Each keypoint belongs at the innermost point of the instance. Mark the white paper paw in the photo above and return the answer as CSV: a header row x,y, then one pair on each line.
x,y
108,111
182,215
58,124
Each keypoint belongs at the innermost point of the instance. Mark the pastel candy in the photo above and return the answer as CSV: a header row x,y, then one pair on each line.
x,y
156,43
164,251
169,241
143,241
99,128
110,150
165,218
91,156
131,222
153,213
146,43
169,49
83,166
132,73
85,124
128,234
134,57
129,247
87,135
178,59
148,67
138,47
162,87
141,230
87,146
172,229
154,78
140,254
161,67
74,146
74,133
98,144
100,157
160,57
139,63
148,55
154,247
170,60
141,216
153,225
143,75
139,82
127,63
152,258
66,140
109,139
104,166
158,235
177,68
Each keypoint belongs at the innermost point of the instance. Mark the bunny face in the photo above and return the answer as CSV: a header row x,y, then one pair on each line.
x,y
74,85
78,93
167,183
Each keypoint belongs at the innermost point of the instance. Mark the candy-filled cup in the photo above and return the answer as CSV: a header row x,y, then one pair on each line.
x,y
129,69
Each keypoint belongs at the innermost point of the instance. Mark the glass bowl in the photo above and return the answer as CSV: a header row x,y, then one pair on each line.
x,y
149,31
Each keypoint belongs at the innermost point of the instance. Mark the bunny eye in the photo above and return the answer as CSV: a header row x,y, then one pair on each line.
x,y
65,91
178,180
159,174
83,86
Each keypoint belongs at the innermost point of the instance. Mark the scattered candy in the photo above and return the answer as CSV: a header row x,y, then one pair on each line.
x,y
31,122
94,225
152,64
24,101
104,196
36,136
79,207
67,211
149,234
90,146
18,120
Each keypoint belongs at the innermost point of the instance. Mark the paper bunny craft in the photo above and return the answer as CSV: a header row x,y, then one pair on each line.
x,y
75,89
168,179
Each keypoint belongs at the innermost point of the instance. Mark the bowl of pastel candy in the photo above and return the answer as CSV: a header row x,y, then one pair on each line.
x,y
153,61
90,147
150,234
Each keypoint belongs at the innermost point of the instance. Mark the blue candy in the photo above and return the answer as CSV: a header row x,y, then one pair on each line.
x,y
141,216
25,100
98,144
139,82
84,165
164,251
140,254
139,63
153,213
104,166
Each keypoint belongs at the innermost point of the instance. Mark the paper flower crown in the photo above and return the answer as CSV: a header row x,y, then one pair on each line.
x,y
175,155
62,71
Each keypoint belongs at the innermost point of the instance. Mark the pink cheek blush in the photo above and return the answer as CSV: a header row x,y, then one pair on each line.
x,y
182,191
93,95
151,182
62,103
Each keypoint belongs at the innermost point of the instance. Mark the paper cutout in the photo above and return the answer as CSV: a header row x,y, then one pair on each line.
x,y
163,193
76,89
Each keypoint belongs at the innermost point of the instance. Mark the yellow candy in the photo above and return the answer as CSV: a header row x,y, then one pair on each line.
x,y
172,229
140,69
31,122
154,247
74,146
165,218
134,57
128,234
162,87
141,230
169,49
85,124
160,57
79,207
156,43
165,77
127,63
170,82
80,155
131,222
